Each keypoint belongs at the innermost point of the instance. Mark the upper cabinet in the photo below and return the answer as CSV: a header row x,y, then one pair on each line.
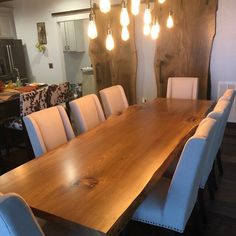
x,y
72,36
7,25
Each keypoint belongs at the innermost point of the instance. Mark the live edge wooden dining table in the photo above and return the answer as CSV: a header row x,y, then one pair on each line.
x,y
99,178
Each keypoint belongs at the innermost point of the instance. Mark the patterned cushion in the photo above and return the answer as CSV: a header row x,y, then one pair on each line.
x,y
33,101
58,93
14,123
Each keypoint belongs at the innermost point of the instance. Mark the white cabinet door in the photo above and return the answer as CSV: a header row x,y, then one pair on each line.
x,y
63,35
7,26
72,36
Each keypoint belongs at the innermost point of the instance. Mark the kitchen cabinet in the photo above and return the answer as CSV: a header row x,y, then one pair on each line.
x,y
72,33
7,25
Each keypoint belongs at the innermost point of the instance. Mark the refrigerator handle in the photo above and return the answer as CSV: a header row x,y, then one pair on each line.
x,y
12,61
9,57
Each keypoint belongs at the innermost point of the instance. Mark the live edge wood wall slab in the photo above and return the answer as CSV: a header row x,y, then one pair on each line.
x,y
120,65
185,50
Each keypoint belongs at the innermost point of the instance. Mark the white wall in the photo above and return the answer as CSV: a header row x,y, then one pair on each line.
x,y
146,82
223,63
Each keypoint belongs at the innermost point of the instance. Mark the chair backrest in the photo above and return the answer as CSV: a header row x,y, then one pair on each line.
x,y
58,94
223,109
229,95
183,190
16,218
87,112
212,149
182,87
33,101
114,100
48,128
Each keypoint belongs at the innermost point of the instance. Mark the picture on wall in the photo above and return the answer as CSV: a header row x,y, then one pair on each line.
x,y
42,37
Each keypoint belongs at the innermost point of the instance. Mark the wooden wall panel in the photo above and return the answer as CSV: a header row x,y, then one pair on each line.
x,y
120,65
185,50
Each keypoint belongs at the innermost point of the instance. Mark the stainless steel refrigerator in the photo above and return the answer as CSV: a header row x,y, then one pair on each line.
x,y
12,59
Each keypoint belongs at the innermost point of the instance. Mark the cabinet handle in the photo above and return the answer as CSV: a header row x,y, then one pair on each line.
x,y
9,57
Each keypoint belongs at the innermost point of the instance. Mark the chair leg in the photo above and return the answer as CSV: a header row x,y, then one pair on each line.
x,y
219,163
210,189
202,207
213,177
1,163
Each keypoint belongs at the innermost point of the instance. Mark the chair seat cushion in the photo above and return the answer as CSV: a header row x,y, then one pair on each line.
x,y
151,210
14,123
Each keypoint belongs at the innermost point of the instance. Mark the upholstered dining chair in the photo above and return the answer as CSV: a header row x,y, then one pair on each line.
x,y
229,95
170,203
59,94
16,218
221,114
29,102
48,128
182,87
86,112
114,100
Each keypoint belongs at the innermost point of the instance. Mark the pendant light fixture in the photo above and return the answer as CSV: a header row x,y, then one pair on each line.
x,y
125,33
109,40
146,29
155,29
92,28
105,6
170,21
161,1
135,4
124,16
147,14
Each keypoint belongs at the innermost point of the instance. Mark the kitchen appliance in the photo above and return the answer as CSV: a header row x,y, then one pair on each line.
x,y
12,60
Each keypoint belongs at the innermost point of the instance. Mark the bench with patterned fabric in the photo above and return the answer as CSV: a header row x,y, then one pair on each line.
x,y
29,103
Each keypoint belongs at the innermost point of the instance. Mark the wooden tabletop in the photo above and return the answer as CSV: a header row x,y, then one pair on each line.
x,y
99,178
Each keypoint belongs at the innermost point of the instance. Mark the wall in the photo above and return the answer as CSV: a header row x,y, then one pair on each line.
x,y
74,61
223,63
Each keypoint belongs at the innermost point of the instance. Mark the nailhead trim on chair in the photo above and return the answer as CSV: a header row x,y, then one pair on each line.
x,y
160,225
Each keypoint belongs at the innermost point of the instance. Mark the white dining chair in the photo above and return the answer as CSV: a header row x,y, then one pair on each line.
x,y
182,87
48,128
170,203
229,95
114,100
86,113
16,218
220,114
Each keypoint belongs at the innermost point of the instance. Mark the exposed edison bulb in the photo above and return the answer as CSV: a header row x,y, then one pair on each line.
x,y
124,16
125,33
92,28
161,1
147,15
110,44
170,21
105,6
146,29
155,30
135,4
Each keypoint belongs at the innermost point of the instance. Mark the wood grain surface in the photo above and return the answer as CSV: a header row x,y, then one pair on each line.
x,y
118,66
185,50
99,178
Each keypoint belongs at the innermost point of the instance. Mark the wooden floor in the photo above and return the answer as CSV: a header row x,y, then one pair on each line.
x,y
221,212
